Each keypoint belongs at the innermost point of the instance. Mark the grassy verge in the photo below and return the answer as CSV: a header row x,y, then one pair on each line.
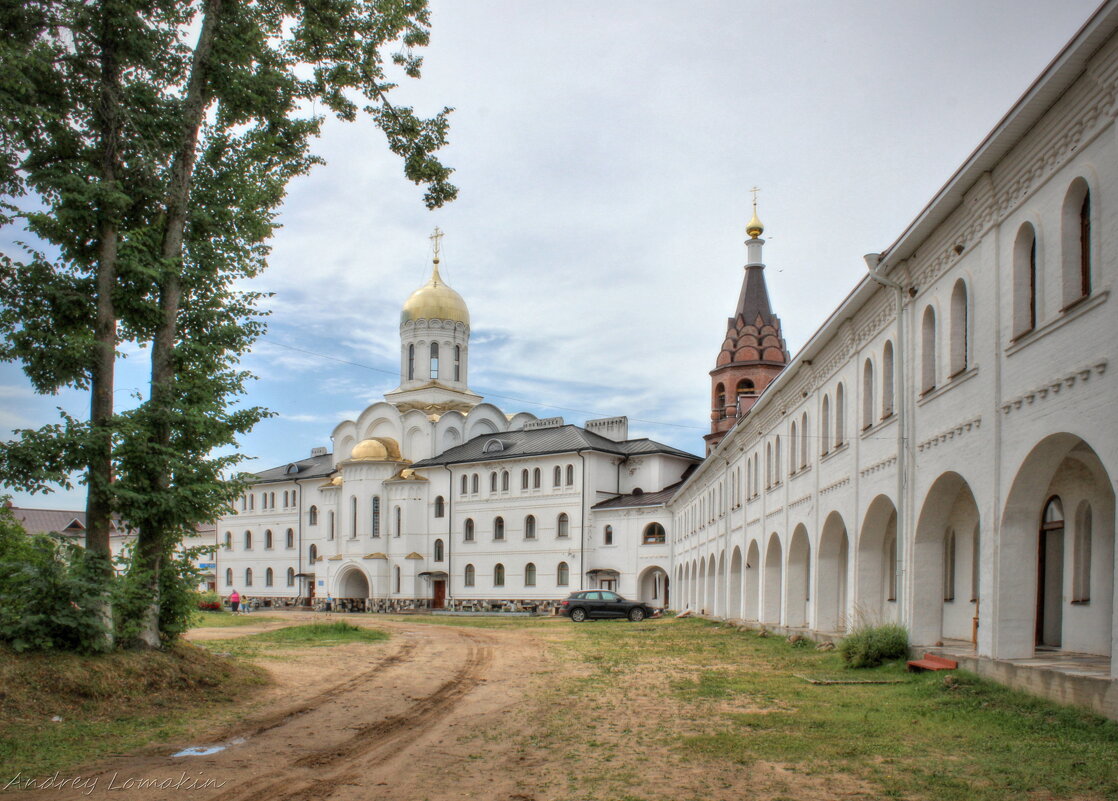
x,y
274,644
63,710
727,701
207,619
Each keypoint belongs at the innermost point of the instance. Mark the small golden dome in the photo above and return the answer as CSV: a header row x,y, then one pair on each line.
x,y
754,227
336,481
376,449
435,301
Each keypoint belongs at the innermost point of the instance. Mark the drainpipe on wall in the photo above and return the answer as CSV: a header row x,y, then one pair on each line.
x,y
875,263
582,527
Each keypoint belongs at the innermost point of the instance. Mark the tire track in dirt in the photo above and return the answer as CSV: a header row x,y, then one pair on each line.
x,y
317,774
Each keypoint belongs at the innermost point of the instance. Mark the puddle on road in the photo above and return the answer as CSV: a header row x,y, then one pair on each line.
x,y
206,750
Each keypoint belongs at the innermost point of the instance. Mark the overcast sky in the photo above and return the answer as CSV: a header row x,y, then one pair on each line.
x,y
604,153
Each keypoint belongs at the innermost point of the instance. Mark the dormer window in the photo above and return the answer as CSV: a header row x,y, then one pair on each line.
x,y
292,468
493,446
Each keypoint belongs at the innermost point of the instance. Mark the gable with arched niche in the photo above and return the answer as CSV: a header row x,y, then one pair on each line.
x,y
449,431
380,420
485,418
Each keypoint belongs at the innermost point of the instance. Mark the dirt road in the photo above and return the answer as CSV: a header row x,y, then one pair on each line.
x,y
384,721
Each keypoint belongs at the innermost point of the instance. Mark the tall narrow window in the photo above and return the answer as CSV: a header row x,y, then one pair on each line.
x,y
468,576
312,516
228,577
1075,243
570,475
1081,557
468,532
353,517
793,443
825,425
804,434
776,460
867,395
434,360
465,484
493,482
768,465
563,575
557,476
330,531
1024,281
399,522
524,479
474,484
529,575
396,578
530,527
312,554
840,415
504,481
268,540
440,506
290,577
457,362
498,575
949,565
411,362
607,536
928,350
290,539
375,525
248,577
438,550
563,525
720,401
248,540
887,381
536,478
269,577
959,328
499,528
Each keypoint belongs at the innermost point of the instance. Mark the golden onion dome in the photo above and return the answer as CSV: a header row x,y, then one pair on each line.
x,y
435,301
754,227
376,449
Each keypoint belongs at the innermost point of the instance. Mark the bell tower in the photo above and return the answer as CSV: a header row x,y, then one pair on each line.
x,y
753,352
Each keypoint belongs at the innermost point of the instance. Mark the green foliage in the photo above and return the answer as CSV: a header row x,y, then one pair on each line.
x,y
48,586
177,581
208,601
874,645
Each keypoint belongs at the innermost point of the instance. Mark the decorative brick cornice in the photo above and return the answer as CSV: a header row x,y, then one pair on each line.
x,y
842,482
950,434
878,466
1053,388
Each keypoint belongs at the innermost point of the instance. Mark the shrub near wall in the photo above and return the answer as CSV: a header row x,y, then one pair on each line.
x,y
873,646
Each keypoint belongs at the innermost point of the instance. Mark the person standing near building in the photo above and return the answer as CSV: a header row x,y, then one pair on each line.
x,y
234,601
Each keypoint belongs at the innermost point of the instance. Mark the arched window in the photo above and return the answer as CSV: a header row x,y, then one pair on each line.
x,y
570,475
607,536
493,481
440,506
949,565
887,381
557,476
399,522
353,517
468,576
1076,243
434,363
289,538
248,576
746,387
468,532
563,525
536,478
653,534
228,540
867,395
563,575
768,465
285,504
804,454
411,362
504,481
530,527
498,575
960,307
465,484
457,362
290,577
251,502
529,575
474,484
793,442
269,577
396,579
1081,556
1024,281
825,425
840,415
524,479
776,460
268,539
499,528
374,527
312,516
312,554
248,540
438,550
228,577
272,499
330,533
928,350
720,401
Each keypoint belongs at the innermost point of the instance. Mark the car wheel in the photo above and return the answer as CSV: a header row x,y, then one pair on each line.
x,y
578,615
636,614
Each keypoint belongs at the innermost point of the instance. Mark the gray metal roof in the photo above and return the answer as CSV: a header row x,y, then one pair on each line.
x,y
313,467
543,441
640,499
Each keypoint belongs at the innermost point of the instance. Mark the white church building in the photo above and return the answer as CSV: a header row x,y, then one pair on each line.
x,y
436,499
943,451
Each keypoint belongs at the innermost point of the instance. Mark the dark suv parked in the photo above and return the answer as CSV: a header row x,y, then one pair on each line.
x,y
579,606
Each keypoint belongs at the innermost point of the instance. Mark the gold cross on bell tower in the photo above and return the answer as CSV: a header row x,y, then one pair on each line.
x,y
436,241
755,190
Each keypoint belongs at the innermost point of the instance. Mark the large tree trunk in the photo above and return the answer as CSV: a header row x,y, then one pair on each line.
x,y
98,512
156,539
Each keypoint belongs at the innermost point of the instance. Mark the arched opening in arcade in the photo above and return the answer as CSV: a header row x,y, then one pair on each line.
x,y
832,613
652,587
876,585
774,558
353,590
797,593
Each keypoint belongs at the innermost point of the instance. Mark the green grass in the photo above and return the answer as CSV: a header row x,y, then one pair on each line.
x,y
740,700
207,619
273,644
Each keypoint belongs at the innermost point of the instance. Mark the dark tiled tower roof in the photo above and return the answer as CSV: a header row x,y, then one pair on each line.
x,y
753,352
